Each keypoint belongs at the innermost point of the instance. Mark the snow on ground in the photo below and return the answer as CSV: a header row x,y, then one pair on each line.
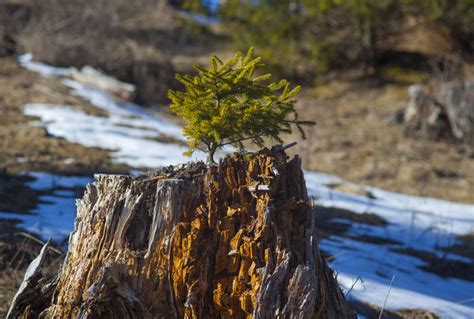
x,y
54,216
132,145
128,130
414,215
26,60
413,222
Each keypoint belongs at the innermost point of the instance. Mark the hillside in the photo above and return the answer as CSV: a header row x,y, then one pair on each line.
x,y
389,204
422,234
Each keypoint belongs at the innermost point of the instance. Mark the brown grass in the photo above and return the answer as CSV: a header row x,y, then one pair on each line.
x,y
372,312
357,139
16,252
37,150
146,40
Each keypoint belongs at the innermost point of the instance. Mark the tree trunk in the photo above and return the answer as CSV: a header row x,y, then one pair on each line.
x,y
458,99
373,48
211,152
235,240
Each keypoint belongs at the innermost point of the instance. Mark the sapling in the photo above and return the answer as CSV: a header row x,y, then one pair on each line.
x,y
231,102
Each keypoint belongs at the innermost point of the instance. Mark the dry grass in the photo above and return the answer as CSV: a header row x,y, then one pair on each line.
x,y
16,252
372,312
27,148
10,280
443,266
357,138
146,40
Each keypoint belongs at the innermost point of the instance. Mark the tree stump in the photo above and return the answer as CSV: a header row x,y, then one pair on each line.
x,y
236,240
447,113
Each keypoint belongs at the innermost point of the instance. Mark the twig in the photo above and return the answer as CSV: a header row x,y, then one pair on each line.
x,y
386,297
280,147
39,241
19,250
353,284
337,254
464,301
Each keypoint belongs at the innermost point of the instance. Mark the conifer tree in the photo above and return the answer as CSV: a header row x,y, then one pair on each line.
x,y
229,103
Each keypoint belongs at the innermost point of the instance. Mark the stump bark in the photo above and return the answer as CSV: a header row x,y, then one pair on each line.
x,y
236,240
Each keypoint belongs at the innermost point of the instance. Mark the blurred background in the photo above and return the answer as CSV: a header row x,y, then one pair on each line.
x,y
355,60
390,84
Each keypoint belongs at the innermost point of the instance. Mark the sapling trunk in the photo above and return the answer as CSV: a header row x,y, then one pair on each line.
x,y
211,152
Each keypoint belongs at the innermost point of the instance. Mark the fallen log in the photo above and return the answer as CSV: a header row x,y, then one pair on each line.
x,y
195,242
447,113
96,79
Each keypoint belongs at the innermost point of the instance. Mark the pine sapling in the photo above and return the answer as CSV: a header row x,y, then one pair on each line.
x,y
229,103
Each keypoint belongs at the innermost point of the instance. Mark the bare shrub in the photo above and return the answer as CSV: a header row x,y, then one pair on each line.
x,y
74,33
123,38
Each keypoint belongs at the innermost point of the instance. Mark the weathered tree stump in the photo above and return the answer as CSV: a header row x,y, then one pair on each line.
x,y
446,113
197,242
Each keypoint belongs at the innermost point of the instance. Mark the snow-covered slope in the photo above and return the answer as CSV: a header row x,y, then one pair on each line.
x,y
413,223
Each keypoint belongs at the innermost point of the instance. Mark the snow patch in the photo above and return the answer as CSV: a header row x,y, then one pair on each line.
x,y
26,60
420,223
54,216
130,145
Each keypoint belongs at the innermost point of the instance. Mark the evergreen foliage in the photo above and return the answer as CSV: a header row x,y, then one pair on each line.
x,y
303,38
229,103
311,36
456,15
205,7
280,31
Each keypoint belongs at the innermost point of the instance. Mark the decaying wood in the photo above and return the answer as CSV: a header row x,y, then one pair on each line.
x,y
34,289
446,113
458,98
197,243
96,79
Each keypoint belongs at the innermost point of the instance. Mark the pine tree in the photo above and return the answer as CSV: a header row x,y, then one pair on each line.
x,y
228,104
